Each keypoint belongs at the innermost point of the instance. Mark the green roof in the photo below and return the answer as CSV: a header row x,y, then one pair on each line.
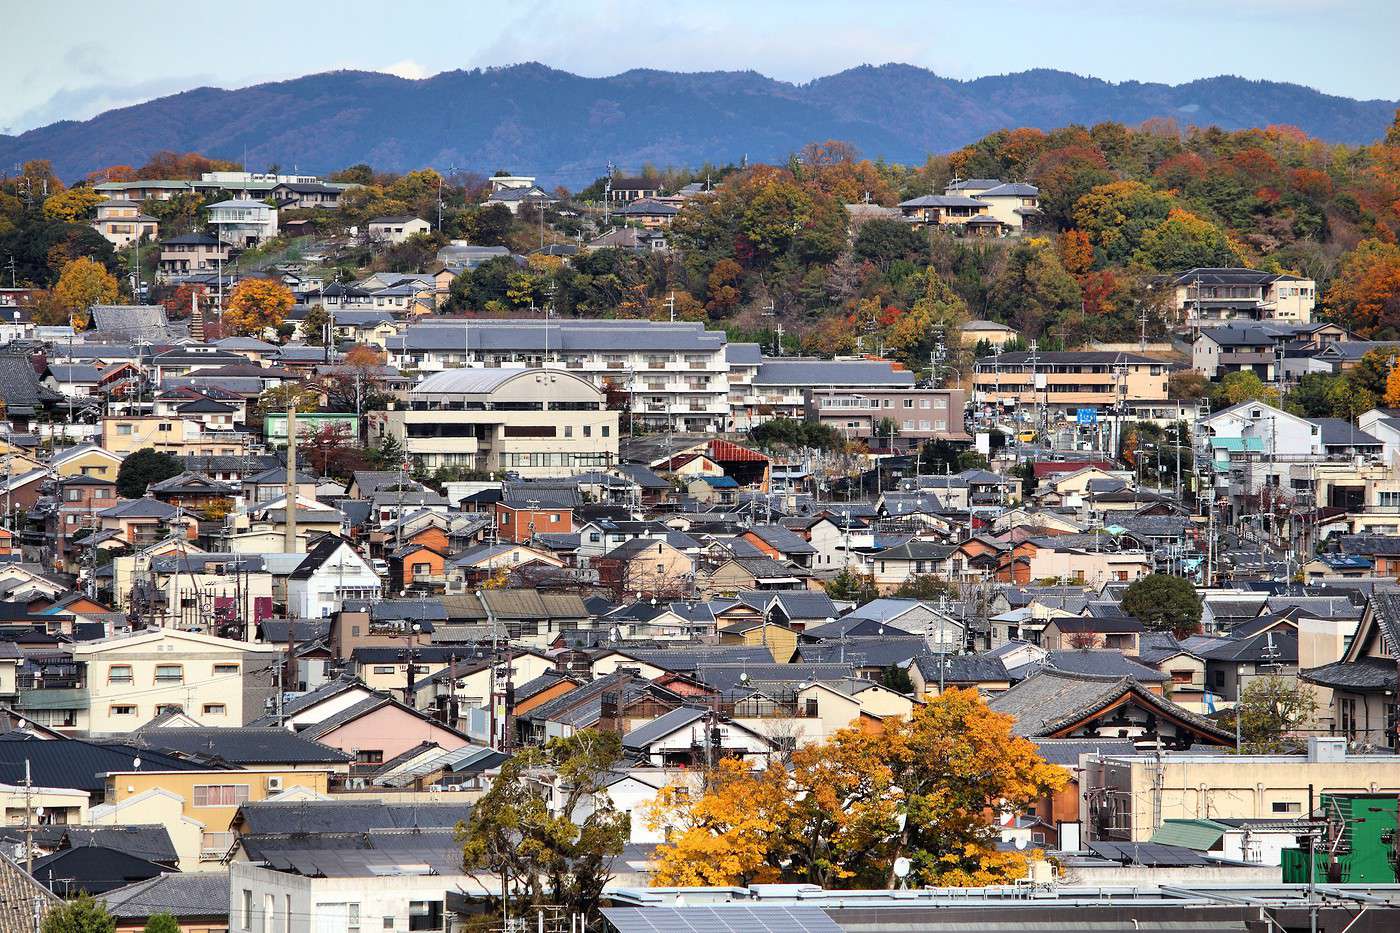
x,y
1200,835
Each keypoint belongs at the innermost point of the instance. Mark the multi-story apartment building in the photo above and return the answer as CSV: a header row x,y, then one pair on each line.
x,y
778,388
919,415
668,375
1209,296
1069,380
535,422
191,254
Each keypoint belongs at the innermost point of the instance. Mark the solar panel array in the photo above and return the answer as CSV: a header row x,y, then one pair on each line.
x,y
725,919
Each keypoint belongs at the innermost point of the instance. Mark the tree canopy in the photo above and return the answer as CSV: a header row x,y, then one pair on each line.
x,y
1164,603
143,467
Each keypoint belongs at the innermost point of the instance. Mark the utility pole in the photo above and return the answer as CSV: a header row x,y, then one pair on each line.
x,y
289,542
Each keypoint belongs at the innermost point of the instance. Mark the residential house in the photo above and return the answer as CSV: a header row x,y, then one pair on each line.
x,y
242,222
121,223
191,254
396,228
332,573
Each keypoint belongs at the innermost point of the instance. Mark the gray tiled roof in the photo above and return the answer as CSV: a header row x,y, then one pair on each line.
x,y
1053,699
660,727
806,373
193,895
243,746
1101,662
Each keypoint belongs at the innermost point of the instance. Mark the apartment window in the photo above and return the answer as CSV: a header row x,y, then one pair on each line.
x,y
170,674
588,430
383,669
886,403
122,709
245,910
909,403
123,430
923,403
72,495
220,795
425,915
214,846
607,430
215,709
1286,806
119,674
163,427
568,430
1390,499
224,670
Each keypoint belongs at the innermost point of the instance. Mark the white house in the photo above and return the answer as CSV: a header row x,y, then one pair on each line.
x,y
396,228
242,222
331,573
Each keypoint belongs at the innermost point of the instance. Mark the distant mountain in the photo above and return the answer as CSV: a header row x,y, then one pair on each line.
x,y
565,128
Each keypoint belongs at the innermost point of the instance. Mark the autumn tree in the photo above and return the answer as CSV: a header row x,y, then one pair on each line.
x,y
1365,297
83,283
257,306
1117,216
1183,241
1076,252
927,789
72,205
939,310
1246,386
281,397
1033,291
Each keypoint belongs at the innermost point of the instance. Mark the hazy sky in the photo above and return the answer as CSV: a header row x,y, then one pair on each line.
x,y
71,59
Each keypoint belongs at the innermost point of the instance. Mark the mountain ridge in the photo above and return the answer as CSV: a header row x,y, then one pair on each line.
x,y
565,128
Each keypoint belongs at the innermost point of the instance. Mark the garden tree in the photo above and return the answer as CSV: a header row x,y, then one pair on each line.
x,y
1272,711
83,914
1246,386
72,205
546,854
926,789
1164,603
942,456
1187,384
1312,396
897,679
179,301
884,432
162,923
84,283
256,306
1033,291
388,454
1365,297
314,325
883,241
926,587
281,397
777,433
1184,241
1117,216
144,467
850,586
1346,399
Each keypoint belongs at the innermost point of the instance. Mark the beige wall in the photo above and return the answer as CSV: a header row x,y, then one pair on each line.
x,y
1231,787
211,676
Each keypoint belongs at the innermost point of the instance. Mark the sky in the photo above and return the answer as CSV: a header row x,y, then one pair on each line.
x,y
73,59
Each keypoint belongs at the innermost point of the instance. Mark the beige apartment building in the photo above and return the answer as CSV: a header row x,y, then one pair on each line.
x,y
535,422
1128,797
919,415
1066,380
168,434
215,681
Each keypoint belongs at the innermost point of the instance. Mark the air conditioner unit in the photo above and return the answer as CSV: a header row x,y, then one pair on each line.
x,y
274,783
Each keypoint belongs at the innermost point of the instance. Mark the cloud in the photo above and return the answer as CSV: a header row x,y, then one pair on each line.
x,y
407,68
88,100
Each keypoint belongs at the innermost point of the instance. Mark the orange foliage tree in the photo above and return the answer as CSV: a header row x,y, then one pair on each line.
x,y
257,306
927,789
1366,294
1076,252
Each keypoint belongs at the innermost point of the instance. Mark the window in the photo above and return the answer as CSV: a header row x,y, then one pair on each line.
x,y
123,709
420,570
909,403
425,915
124,430
220,795
1220,678
1181,677
568,430
340,916
245,910
923,403
224,670
119,674
214,846
554,518
170,674
607,430
588,430
383,669
1287,806
215,709
163,427
369,756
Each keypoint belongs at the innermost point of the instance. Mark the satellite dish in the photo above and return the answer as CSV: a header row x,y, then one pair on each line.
x,y
136,762
1020,842
901,867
